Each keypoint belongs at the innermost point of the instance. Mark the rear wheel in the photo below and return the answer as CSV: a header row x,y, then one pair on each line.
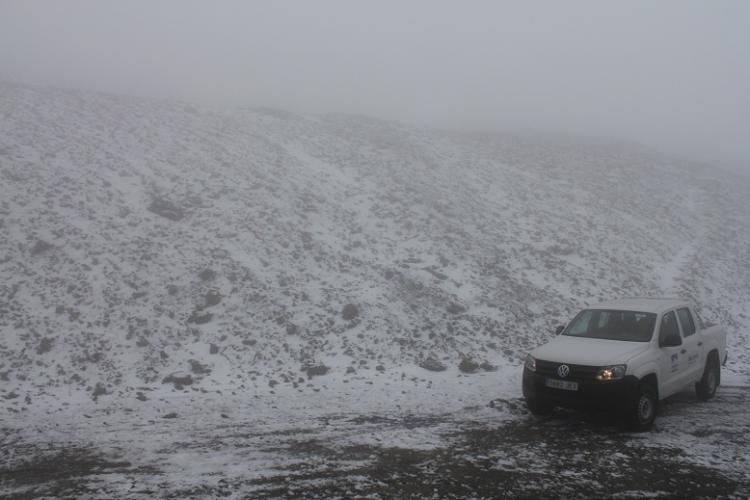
x,y
643,408
706,388
537,408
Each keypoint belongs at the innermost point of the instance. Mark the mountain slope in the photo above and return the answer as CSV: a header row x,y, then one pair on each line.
x,y
143,239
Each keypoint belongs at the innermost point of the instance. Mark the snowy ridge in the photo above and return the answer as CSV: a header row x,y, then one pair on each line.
x,y
147,241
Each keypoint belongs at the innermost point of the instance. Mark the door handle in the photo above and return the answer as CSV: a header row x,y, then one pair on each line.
x,y
683,351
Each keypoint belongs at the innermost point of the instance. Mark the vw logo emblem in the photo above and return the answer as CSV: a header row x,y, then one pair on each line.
x,y
563,371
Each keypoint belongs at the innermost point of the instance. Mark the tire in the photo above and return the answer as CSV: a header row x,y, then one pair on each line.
x,y
643,409
539,409
706,388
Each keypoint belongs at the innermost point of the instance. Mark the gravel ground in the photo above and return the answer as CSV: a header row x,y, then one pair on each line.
x,y
498,450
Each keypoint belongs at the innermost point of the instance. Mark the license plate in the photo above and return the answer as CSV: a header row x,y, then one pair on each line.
x,y
561,384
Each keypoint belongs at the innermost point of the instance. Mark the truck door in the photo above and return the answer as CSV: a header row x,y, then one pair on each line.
x,y
692,346
671,363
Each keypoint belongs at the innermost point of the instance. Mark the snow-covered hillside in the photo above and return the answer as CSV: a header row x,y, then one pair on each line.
x,y
147,242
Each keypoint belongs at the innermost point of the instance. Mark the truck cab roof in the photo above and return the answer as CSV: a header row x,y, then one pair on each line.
x,y
643,304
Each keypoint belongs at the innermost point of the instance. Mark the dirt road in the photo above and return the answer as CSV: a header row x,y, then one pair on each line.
x,y
695,450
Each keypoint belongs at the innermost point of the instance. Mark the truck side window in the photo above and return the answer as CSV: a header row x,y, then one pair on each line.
x,y
701,324
686,320
668,328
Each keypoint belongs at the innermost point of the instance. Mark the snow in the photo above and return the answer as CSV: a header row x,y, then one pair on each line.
x,y
450,246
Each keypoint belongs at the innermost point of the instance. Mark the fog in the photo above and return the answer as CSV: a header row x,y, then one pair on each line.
x,y
670,74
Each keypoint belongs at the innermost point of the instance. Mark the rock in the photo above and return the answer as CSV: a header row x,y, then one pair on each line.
x,y
166,209
198,368
200,318
272,383
436,273
350,312
213,349
179,380
486,366
40,247
291,329
315,370
45,345
170,415
468,366
207,274
433,365
140,396
454,308
212,298
99,390
380,368
350,370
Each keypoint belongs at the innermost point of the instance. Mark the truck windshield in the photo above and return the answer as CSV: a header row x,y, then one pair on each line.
x,y
631,326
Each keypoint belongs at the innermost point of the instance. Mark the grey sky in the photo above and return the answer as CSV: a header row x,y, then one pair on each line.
x,y
673,74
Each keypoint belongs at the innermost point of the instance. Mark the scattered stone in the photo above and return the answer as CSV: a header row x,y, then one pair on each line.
x,y
213,349
166,209
291,329
350,312
272,383
380,368
350,370
10,395
433,365
454,308
140,396
224,415
170,415
468,366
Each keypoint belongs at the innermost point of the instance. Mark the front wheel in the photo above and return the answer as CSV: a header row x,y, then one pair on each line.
x,y
706,388
643,410
537,408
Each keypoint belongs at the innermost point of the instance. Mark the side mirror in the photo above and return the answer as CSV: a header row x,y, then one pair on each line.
x,y
670,341
559,329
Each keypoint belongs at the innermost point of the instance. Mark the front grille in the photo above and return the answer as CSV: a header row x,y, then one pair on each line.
x,y
577,372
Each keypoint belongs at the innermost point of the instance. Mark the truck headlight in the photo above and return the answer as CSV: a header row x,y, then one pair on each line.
x,y
530,363
615,372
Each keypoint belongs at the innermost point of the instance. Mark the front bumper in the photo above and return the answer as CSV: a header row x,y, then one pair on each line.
x,y
615,395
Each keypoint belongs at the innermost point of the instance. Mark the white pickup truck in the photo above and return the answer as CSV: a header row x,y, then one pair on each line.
x,y
626,355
